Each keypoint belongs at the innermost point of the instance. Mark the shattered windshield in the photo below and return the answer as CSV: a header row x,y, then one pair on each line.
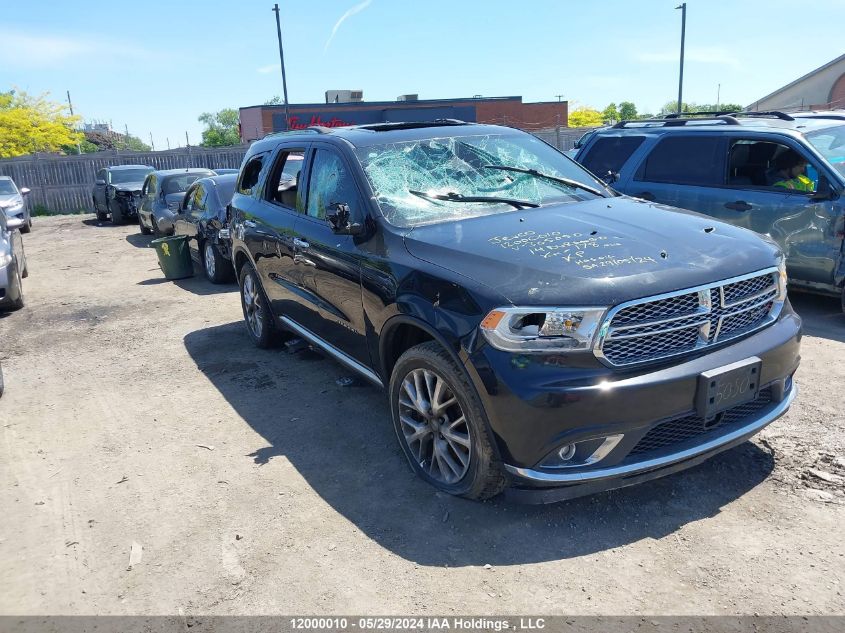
x,y
830,142
459,168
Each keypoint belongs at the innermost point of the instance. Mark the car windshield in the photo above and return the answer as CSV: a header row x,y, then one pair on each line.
x,y
7,187
463,167
122,176
830,142
180,183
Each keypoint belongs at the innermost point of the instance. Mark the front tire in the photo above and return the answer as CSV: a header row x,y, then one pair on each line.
x,y
27,225
142,226
18,303
259,320
116,213
441,425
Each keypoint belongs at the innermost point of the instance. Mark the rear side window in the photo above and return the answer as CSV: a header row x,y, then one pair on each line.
x,y
609,153
250,174
685,160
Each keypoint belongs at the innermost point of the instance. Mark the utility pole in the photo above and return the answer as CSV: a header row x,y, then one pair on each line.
x,y
718,95
282,60
70,103
188,147
683,8
126,138
559,98
152,143
167,138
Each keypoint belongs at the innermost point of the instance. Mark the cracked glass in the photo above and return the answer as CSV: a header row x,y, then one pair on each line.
x,y
458,166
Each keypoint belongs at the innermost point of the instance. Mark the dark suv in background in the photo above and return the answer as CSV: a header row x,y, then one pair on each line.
x,y
728,167
530,326
117,192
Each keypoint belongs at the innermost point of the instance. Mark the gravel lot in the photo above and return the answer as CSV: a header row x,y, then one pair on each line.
x,y
138,412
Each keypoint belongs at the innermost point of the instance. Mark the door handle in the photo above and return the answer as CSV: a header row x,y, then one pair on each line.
x,y
249,224
300,243
739,205
645,195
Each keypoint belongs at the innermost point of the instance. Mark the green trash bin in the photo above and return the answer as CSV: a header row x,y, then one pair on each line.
x,y
174,256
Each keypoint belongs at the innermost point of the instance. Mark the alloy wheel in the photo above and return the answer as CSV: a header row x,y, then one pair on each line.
x,y
252,306
434,426
209,260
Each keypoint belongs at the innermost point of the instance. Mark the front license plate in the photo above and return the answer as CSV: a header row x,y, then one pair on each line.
x,y
728,386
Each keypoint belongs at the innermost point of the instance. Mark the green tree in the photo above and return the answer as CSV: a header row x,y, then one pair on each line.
x,y
585,117
627,111
275,100
610,114
221,128
31,124
672,106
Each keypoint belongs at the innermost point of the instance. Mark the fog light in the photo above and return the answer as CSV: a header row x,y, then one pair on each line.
x,y
582,453
566,452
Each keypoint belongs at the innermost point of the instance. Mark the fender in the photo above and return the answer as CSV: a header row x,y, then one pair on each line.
x,y
384,339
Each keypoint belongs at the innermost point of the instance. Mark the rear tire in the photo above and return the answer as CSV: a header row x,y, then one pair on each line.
x,y
441,425
218,269
259,320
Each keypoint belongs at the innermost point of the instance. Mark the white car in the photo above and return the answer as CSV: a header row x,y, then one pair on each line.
x,y
14,205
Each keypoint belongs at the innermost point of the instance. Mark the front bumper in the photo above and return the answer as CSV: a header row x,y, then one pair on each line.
x,y
537,404
128,205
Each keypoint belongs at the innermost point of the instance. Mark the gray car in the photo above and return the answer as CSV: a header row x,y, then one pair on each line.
x,y
162,195
12,263
13,203
117,191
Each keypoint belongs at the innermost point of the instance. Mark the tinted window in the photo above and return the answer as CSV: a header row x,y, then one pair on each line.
x,y
330,182
685,160
250,174
609,153
128,175
180,183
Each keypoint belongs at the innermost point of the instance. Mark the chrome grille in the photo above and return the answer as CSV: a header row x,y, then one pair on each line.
x,y
660,327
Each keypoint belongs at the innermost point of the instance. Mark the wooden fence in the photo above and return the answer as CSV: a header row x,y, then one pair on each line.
x,y
63,184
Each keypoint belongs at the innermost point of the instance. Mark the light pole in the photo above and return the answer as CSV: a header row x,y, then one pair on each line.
x,y
282,60
683,9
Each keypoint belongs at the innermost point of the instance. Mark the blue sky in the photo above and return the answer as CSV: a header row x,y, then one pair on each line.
x,y
155,66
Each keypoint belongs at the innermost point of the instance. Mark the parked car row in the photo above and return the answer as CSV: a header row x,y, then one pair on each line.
x,y
535,330
15,218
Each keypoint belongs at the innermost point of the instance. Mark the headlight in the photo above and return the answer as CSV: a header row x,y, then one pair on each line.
x,y
14,208
538,329
782,279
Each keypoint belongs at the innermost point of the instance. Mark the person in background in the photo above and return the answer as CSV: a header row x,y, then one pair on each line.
x,y
790,172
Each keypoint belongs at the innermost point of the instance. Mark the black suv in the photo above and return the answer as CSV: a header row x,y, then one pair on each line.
x,y
531,327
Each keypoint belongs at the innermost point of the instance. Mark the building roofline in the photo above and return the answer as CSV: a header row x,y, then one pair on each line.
x,y
394,103
799,80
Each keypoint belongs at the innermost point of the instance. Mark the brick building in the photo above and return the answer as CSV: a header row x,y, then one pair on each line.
x,y
257,121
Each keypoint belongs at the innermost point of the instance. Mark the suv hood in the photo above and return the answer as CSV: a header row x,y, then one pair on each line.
x,y
601,252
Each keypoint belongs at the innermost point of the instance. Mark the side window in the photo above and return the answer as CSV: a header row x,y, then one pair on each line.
x,y
330,182
198,199
283,183
686,160
149,188
250,174
609,153
753,163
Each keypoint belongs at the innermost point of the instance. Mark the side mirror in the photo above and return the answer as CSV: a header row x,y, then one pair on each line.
x,y
610,177
338,217
14,223
25,191
825,191
100,182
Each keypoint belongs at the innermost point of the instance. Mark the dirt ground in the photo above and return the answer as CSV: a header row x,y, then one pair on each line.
x,y
139,421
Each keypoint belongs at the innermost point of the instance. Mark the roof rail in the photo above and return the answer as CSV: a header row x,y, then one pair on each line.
x,y
409,125
769,114
676,121
711,113
316,129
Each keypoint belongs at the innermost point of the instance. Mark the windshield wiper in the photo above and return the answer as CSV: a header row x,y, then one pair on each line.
x,y
538,174
459,197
